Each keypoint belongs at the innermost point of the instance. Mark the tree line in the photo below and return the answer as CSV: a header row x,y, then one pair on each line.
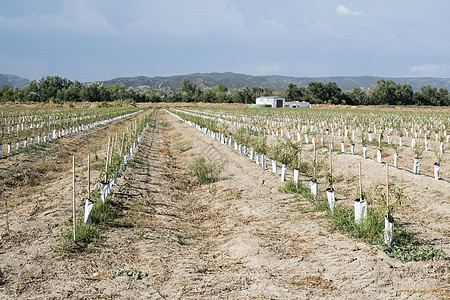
x,y
386,92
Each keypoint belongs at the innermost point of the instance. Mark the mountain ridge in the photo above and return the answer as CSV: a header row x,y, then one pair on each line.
x,y
13,80
238,81
277,82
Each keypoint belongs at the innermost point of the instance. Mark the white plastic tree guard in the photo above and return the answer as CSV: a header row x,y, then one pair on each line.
x,y
388,230
360,210
87,212
437,168
331,198
283,172
416,166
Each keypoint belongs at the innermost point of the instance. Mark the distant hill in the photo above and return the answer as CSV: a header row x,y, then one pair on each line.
x,y
238,81
13,80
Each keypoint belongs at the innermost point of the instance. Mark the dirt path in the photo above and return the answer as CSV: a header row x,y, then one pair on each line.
x,y
238,239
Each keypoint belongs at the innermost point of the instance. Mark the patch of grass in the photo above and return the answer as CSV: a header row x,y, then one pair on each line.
x,y
164,124
102,214
290,187
183,146
198,269
370,231
205,172
321,205
405,246
85,233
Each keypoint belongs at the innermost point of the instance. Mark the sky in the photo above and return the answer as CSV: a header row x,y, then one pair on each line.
x,y
93,40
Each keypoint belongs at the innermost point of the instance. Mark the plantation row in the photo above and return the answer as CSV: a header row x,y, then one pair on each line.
x,y
21,127
121,147
370,219
383,136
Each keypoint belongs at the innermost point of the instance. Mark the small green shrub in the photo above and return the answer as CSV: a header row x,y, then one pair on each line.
x,y
183,146
370,231
85,233
204,171
290,187
102,212
409,252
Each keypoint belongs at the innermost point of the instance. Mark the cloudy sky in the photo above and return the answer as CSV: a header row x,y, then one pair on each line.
x,y
93,40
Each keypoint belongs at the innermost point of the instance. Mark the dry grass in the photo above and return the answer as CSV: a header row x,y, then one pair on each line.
x,y
113,128
44,166
312,281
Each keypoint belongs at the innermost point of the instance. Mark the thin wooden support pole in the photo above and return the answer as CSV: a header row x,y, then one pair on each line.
x,y
73,198
107,158
360,183
89,177
387,188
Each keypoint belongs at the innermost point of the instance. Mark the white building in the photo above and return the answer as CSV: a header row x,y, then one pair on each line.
x,y
275,101
271,100
302,104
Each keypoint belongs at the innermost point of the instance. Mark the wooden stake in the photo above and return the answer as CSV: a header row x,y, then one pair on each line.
x,y
107,158
387,188
121,147
73,197
314,158
89,177
360,183
331,162
112,150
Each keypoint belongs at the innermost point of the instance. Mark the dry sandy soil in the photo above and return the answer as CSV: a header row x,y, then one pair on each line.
x,y
237,239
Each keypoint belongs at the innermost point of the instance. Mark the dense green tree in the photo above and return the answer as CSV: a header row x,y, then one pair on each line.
x,y
358,96
388,92
444,97
293,93
316,92
7,93
49,87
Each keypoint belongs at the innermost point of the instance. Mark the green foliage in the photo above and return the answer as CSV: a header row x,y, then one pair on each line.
x,y
370,231
181,89
183,146
85,233
205,172
242,136
410,252
396,197
131,272
259,143
329,179
405,246
103,212
418,152
239,88
290,187
397,148
286,152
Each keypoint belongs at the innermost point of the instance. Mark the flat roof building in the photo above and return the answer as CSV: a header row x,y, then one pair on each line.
x,y
274,101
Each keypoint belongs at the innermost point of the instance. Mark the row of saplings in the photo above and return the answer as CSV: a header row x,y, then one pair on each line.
x,y
98,209
365,220
366,223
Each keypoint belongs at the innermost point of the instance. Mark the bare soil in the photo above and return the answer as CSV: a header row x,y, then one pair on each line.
x,y
237,239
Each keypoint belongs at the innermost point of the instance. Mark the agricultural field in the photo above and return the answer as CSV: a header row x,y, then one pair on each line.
x,y
216,202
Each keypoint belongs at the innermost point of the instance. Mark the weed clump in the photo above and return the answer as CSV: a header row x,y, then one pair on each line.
x,y
205,172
